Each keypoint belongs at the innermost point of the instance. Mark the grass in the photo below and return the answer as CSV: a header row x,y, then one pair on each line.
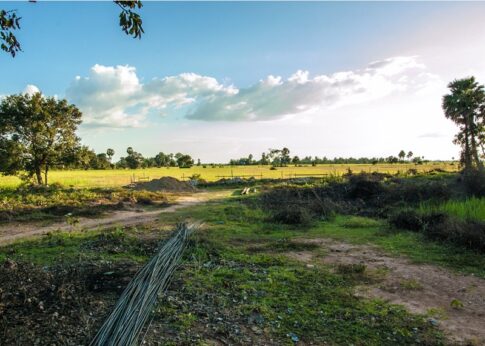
x,y
70,247
224,290
403,243
57,202
468,209
122,177
273,298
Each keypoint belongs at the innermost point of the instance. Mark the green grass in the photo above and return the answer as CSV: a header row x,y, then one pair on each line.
x,y
468,209
222,285
122,177
57,202
281,300
403,243
69,247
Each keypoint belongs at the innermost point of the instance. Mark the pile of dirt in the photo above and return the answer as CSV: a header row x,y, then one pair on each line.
x,y
165,184
58,305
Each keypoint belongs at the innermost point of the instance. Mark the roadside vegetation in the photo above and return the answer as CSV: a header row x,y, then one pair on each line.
x,y
39,203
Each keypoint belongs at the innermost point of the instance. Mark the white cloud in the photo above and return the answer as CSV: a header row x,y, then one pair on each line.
x,y
30,89
115,97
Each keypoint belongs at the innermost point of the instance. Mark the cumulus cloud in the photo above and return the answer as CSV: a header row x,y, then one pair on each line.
x,y
115,97
31,89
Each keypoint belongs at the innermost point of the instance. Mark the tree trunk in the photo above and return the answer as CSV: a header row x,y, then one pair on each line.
x,y
478,163
38,175
474,148
468,161
45,173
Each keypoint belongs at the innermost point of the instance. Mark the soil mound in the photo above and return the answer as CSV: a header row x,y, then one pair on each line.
x,y
164,184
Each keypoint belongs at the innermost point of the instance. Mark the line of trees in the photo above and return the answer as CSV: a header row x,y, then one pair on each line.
x,y
38,134
281,158
87,158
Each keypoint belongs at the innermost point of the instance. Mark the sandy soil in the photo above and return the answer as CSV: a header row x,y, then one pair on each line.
x,y
11,232
458,300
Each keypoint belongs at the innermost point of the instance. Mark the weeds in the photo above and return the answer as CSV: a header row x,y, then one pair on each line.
x,y
411,284
55,202
467,209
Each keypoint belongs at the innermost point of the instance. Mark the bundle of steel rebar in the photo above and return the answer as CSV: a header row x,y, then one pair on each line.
x,y
134,308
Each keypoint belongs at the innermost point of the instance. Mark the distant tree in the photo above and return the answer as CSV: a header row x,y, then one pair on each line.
x,y
274,156
409,155
401,155
110,152
250,159
162,160
198,162
36,133
84,158
417,160
130,22
285,156
185,161
134,160
392,159
295,160
264,159
101,162
465,106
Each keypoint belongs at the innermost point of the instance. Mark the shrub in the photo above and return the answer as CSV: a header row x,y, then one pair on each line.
x,y
414,191
442,227
475,183
470,234
293,216
365,185
407,219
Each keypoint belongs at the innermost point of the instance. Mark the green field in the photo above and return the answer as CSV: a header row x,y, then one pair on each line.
x,y
121,177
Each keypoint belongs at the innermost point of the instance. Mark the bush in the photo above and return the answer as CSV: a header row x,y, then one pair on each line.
x,y
475,183
414,191
407,219
289,204
365,186
293,216
442,227
470,234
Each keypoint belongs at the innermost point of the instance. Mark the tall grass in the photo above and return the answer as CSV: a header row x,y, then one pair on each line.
x,y
468,209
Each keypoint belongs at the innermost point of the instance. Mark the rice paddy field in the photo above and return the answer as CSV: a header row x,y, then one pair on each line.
x,y
122,177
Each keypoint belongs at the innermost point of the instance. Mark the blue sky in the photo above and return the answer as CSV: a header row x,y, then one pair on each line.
x,y
211,63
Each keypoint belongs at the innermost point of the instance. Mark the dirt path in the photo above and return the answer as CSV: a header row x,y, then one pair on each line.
x,y
11,232
457,302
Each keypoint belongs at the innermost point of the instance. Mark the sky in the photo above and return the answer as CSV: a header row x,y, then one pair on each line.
x,y
221,80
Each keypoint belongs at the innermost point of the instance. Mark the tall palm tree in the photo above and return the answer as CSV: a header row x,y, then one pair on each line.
x,y
465,105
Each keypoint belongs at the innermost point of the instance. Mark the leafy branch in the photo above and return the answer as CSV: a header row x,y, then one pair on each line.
x,y
9,21
130,23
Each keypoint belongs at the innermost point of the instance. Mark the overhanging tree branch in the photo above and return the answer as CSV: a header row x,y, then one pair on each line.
x,y
130,23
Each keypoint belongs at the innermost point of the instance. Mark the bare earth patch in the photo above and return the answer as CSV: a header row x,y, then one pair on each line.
x,y
457,302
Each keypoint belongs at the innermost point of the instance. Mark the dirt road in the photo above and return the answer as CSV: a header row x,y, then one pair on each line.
x,y
454,302
12,232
